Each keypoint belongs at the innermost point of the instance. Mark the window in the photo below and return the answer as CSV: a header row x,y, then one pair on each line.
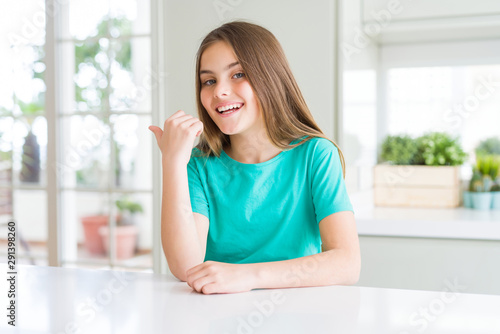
x,y
105,148
103,85
23,129
461,100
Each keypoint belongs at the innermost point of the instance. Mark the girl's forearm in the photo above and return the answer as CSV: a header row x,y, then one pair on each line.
x,y
179,237
336,266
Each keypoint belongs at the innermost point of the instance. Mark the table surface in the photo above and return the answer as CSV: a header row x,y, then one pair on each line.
x,y
67,300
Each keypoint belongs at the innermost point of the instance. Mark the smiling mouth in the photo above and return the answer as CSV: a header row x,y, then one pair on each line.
x,y
229,108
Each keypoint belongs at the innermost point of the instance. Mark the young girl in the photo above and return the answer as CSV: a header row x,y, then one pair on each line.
x,y
260,202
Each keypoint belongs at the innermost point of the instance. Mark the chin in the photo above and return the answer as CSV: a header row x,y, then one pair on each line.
x,y
227,131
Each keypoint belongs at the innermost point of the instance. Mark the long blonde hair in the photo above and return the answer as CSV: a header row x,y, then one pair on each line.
x,y
285,112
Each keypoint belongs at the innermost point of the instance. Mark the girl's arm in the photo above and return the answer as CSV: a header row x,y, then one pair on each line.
x,y
179,234
339,263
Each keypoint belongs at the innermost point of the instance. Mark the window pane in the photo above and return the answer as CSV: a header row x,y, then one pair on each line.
x,y
134,242
82,215
106,69
29,150
85,152
112,74
22,27
461,100
417,98
359,102
30,214
22,91
87,236
6,138
23,137
137,13
91,75
133,151
131,76
359,128
112,69
85,16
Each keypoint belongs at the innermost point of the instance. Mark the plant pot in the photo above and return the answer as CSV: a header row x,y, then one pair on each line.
x,y
417,186
126,240
467,199
481,200
91,226
495,200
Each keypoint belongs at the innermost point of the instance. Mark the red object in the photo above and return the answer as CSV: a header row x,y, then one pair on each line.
x,y
126,239
91,226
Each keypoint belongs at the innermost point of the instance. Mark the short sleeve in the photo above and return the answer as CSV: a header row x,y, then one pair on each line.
x,y
199,202
328,186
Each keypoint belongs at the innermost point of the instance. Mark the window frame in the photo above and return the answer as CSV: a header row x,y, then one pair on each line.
x,y
55,20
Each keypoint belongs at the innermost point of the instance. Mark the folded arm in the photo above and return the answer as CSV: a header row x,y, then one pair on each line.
x,y
339,263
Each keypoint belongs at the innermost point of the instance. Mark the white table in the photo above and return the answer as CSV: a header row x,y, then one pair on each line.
x,y
63,300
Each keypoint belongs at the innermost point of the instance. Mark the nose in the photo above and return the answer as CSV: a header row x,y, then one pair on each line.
x,y
222,88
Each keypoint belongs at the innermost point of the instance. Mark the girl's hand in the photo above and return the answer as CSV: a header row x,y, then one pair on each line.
x,y
178,136
218,277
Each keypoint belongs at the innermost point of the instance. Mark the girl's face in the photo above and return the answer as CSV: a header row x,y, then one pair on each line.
x,y
226,93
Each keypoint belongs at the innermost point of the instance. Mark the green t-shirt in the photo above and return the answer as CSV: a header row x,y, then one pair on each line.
x,y
268,211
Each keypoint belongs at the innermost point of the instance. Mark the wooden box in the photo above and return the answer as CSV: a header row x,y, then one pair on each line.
x,y
417,186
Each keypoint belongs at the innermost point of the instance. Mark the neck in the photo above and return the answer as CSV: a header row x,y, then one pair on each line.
x,y
252,149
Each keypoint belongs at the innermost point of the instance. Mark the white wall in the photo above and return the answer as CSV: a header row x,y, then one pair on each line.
x,y
305,30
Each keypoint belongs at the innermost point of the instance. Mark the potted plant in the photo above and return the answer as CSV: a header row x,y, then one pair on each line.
x,y
487,163
420,172
399,150
126,230
489,146
480,197
92,239
473,184
495,178
484,181
495,195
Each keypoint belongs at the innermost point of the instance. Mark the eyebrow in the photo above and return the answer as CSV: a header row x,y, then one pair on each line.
x,y
227,68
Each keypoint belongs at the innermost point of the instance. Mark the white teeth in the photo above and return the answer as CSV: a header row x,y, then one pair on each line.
x,y
231,106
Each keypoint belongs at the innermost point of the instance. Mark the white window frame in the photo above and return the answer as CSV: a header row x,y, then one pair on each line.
x,y
52,105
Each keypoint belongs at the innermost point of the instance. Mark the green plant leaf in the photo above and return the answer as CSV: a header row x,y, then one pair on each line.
x,y
439,149
398,150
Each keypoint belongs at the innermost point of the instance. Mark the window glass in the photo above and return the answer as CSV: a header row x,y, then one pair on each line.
x,y
106,150
461,100
23,128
